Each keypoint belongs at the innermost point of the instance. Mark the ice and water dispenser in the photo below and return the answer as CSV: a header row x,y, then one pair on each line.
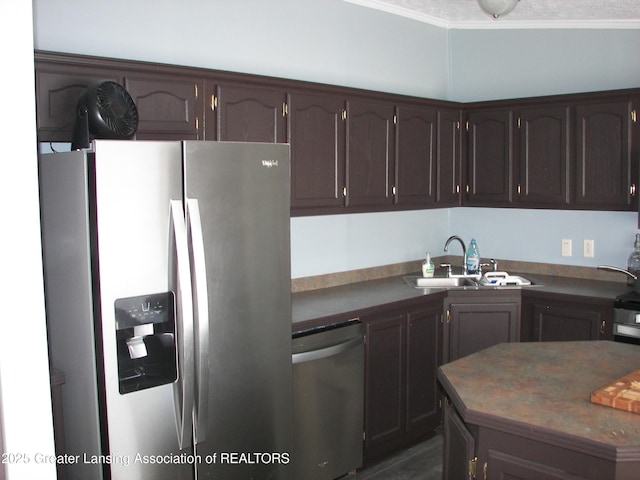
x,y
145,333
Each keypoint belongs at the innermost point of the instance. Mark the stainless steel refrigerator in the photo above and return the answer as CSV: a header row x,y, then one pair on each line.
x,y
167,283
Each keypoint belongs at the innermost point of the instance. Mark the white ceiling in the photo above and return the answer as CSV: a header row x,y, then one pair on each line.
x,y
527,14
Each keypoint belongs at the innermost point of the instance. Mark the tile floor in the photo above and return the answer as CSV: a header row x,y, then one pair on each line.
x,y
421,462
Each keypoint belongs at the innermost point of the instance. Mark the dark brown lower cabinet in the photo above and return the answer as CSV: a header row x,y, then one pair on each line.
x,y
459,446
401,394
472,452
547,318
478,320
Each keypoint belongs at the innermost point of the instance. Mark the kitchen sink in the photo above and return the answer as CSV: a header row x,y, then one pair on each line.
x,y
489,280
439,282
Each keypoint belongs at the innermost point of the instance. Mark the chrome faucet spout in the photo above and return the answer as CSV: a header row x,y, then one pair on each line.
x,y
464,250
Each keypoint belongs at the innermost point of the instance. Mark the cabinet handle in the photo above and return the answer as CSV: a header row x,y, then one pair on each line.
x,y
214,102
519,189
634,116
603,326
285,109
632,189
448,316
484,471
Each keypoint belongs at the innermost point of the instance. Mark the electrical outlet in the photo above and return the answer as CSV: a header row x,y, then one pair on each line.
x,y
589,249
566,247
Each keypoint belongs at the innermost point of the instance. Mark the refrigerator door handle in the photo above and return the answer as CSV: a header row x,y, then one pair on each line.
x,y
184,387
201,317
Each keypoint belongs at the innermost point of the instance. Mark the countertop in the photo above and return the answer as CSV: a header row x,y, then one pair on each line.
x,y
333,304
542,390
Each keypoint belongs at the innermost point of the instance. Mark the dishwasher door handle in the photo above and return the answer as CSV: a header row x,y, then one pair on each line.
x,y
326,352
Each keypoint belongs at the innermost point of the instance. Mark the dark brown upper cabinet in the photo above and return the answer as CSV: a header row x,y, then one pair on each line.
x,y
544,157
169,108
415,158
58,89
316,133
370,149
490,158
448,158
605,179
248,113
361,151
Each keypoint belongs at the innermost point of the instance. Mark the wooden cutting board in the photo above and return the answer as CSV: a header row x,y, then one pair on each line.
x,y
623,394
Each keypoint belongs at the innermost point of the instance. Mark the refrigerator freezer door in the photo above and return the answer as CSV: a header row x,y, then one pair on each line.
x,y
243,196
135,183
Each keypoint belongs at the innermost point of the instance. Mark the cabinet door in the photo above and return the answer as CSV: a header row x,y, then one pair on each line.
x,y
569,323
249,113
543,176
603,163
316,133
384,383
415,156
474,327
169,108
502,465
459,446
490,158
369,153
58,89
423,359
448,158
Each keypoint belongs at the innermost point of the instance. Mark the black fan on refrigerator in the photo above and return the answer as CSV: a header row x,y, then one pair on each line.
x,y
105,110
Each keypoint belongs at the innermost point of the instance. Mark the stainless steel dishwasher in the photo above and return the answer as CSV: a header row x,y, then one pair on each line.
x,y
328,401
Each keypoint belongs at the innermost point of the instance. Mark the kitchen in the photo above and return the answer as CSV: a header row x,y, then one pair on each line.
x,y
453,67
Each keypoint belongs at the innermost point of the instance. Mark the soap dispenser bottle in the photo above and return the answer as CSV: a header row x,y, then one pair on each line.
x,y
633,264
427,267
473,258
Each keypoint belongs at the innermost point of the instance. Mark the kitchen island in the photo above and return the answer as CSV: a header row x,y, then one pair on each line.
x,y
523,410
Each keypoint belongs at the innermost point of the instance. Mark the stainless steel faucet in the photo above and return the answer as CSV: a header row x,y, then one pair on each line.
x,y
464,251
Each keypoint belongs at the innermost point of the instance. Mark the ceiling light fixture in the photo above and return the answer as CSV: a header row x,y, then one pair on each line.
x,y
497,8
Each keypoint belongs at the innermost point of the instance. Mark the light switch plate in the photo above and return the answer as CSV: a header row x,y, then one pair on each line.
x,y
566,247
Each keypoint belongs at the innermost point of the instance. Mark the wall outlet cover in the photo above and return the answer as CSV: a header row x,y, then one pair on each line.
x,y
589,249
566,247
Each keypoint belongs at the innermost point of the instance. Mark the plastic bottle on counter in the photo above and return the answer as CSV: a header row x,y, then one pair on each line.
x,y
427,267
633,264
473,258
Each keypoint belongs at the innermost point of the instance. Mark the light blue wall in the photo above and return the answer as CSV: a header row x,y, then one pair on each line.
x,y
536,235
327,41
335,42
497,64
349,242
